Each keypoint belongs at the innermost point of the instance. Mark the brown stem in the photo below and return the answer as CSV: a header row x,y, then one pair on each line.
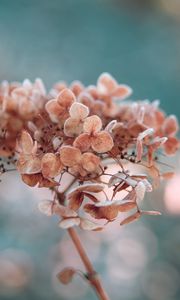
x,y
92,275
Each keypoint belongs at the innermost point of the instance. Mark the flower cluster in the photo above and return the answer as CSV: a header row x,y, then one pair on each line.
x,y
84,131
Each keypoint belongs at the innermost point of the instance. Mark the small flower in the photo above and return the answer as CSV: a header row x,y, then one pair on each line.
x,y
99,141
78,163
58,109
107,86
28,162
73,126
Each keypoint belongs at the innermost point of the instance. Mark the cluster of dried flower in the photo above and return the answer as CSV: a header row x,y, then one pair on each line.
x,y
81,131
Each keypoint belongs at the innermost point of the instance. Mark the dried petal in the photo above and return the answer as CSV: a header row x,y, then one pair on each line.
x,y
70,156
66,98
69,222
73,127
78,111
51,165
83,142
131,218
105,212
46,207
170,126
90,162
92,124
102,142
106,83
75,200
167,175
31,180
171,146
26,142
89,225
140,190
151,212
139,150
54,110
122,91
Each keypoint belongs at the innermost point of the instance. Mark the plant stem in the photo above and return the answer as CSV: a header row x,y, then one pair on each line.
x,y
92,275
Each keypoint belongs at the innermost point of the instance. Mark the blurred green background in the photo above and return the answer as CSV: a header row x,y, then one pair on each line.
x,y
138,42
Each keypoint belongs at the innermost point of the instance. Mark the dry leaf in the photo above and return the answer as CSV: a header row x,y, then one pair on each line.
x,y
66,275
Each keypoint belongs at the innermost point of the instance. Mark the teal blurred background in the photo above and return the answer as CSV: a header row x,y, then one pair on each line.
x,y
138,42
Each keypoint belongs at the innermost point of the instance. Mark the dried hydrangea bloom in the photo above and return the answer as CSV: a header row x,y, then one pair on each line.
x,y
79,131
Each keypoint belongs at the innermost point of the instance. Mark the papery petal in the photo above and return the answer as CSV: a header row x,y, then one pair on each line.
x,y
106,83
109,127
82,142
54,110
73,127
89,225
102,142
92,188
139,150
78,111
75,200
69,222
66,98
64,211
51,165
131,218
151,212
46,207
170,125
107,212
26,142
171,146
70,156
86,99
90,162
121,92
28,165
48,183
31,180
140,190
92,124
76,87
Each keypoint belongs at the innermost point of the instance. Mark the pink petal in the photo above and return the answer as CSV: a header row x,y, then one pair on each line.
x,y
78,111
82,142
54,110
26,142
86,224
106,83
121,92
102,142
70,156
66,98
69,222
51,165
170,125
92,124
73,127
90,162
